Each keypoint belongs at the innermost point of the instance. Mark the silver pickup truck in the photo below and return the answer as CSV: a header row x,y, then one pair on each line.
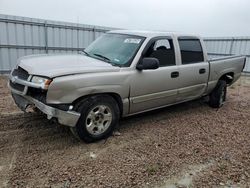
x,y
120,74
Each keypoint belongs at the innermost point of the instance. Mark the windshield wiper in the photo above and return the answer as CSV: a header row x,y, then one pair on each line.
x,y
86,53
103,57
106,59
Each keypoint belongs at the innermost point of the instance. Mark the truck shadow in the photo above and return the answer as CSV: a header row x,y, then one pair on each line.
x,y
163,113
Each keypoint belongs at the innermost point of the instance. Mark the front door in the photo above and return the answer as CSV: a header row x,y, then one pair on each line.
x,y
154,88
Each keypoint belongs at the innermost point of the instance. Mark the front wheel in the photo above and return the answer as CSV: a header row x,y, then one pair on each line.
x,y
218,96
99,117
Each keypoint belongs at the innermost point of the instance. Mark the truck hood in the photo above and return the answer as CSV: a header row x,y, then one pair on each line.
x,y
61,65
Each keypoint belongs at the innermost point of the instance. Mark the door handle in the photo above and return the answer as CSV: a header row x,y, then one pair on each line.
x,y
174,74
202,71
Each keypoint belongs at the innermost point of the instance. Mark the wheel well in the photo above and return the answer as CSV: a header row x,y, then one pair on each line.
x,y
228,77
115,96
118,100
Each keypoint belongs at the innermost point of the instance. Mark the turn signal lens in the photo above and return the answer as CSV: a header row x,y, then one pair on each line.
x,y
45,82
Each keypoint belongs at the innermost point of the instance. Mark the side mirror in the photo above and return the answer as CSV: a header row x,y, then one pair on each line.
x,y
148,63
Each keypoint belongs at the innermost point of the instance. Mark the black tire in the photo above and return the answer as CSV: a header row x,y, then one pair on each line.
x,y
218,95
86,107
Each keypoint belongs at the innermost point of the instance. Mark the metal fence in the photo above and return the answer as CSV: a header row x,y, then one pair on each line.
x,y
20,36
226,46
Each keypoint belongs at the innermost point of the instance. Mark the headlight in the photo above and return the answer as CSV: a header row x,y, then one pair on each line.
x,y
44,82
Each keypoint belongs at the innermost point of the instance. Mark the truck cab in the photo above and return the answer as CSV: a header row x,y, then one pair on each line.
x,y
182,73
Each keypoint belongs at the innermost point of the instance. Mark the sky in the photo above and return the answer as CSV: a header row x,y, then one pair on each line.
x,y
204,17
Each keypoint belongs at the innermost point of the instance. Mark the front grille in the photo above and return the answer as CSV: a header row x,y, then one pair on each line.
x,y
37,94
16,86
20,73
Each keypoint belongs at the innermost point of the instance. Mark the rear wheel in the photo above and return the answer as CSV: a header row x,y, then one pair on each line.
x,y
99,117
218,96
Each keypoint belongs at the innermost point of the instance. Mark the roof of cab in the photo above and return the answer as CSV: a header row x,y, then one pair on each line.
x,y
149,33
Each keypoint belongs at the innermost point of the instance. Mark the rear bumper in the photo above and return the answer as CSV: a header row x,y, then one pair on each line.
x,y
68,118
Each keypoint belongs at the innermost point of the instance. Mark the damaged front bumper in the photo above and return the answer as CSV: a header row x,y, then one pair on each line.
x,y
19,86
68,118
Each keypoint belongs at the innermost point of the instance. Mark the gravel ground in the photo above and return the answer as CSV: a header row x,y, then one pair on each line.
x,y
187,145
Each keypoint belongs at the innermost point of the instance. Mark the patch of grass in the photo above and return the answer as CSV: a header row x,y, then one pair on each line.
x,y
222,167
152,169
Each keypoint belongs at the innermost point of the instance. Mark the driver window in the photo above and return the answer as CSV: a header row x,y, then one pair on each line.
x,y
163,50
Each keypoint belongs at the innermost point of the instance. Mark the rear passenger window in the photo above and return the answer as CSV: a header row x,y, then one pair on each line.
x,y
163,50
191,51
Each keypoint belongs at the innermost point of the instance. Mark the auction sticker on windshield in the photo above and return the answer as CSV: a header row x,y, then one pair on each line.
x,y
132,40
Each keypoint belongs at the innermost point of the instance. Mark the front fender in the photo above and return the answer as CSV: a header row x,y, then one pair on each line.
x,y
65,90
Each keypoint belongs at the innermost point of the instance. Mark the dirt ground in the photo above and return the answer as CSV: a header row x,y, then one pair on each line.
x,y
187,145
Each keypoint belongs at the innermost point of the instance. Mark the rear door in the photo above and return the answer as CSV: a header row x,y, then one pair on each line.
x,y
194,70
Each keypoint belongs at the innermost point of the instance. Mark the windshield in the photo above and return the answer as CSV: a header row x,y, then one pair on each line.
x,y
116,49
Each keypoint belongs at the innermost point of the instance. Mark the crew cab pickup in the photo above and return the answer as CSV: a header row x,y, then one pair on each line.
x,y
120,74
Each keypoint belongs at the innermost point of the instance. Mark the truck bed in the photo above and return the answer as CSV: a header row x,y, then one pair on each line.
x,y
232,65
